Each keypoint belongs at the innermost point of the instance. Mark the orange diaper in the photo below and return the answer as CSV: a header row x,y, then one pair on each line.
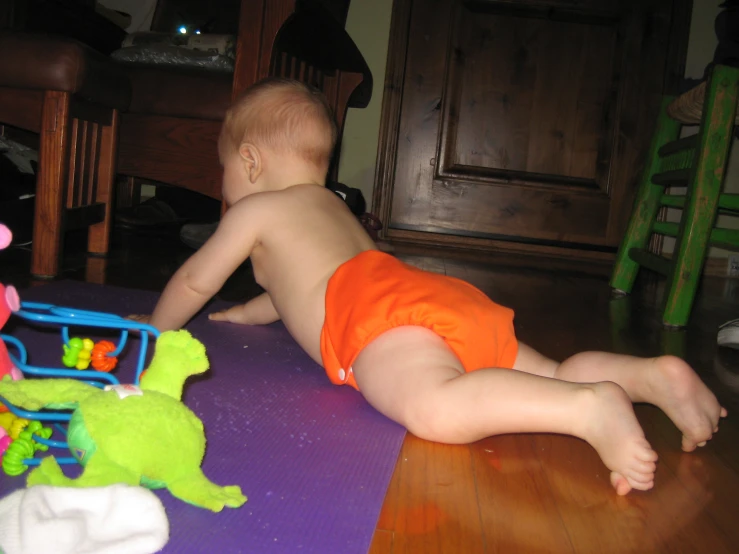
x,y
374,292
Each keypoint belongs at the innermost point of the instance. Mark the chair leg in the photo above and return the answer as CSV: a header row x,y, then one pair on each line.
x,y
703,193
98,241
128,193
53,160
646,204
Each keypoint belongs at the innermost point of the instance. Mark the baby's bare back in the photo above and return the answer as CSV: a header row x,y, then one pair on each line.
x,y
305,233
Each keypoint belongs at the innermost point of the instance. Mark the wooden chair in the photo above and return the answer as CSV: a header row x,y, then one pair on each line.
x,y
169,133
70,96
697,162
74,98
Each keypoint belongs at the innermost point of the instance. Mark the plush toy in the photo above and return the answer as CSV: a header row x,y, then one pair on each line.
x,y
9,302
133,435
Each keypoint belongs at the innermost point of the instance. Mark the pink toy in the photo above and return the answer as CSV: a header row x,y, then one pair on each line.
x,y
5,237
5,441
9,302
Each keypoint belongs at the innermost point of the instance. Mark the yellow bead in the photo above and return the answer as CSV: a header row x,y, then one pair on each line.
x,y
16,427
6,420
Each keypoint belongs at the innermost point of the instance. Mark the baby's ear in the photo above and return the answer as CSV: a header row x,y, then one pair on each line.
x,y
246,151
252,159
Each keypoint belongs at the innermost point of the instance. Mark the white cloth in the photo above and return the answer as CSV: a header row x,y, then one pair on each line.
x,y
62,520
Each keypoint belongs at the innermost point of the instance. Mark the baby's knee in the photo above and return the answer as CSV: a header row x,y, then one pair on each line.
x,y
427,418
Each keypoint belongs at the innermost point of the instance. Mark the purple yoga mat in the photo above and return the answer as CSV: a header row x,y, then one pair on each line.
x,y
314,459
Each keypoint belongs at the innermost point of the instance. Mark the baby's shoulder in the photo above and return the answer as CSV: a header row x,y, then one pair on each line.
x,y
254,205
274,207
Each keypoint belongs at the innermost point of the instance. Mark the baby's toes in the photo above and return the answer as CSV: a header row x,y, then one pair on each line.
x,y
646,454
717,419
636,476
620,483
641,485
645,468
699,437
689,444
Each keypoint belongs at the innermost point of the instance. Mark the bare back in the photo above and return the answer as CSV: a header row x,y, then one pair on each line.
x,y
303,234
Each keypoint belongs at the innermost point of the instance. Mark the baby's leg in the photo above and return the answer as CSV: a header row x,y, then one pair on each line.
x,y
410,375
667,382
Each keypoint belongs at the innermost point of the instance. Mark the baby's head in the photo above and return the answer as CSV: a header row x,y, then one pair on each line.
x,y
278,133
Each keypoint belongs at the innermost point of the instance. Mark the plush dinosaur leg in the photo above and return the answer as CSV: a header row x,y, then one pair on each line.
x,y
33,394
177,355
97,473
198,490
48,473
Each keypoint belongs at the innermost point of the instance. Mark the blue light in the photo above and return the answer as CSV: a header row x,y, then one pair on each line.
x,y
183,30
197,32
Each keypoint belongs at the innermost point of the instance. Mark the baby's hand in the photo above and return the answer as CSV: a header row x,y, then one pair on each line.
x,y
141,318
234,314
257,311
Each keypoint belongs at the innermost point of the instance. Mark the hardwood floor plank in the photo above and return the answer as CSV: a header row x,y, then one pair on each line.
x,y
382,542
437,505
596,519
711,483
519,511
669,518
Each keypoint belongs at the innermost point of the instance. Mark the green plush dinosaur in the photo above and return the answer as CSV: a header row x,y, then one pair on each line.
x,y
129,434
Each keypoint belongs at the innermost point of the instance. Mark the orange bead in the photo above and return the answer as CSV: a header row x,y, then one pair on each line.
x,y
100,359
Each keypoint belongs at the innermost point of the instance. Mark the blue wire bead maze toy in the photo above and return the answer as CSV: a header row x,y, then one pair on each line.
x,y
18,458
19,453
49,314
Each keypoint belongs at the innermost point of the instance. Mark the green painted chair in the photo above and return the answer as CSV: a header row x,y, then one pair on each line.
x,y
697,162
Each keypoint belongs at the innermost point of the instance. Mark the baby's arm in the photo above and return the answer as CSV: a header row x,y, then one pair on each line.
x,y
257,311
205,272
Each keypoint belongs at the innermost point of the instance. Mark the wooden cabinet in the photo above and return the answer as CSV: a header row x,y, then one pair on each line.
x,y
522,125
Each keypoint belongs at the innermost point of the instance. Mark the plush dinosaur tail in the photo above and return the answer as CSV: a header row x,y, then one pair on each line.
x,y
34,394
177,355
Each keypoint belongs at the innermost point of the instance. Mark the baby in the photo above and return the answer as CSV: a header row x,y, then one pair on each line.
x,y
430,352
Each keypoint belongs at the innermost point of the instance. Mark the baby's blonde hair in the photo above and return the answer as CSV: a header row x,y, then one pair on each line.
x,y
284,115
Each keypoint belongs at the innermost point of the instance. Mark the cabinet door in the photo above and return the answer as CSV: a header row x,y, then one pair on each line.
x,y
523,121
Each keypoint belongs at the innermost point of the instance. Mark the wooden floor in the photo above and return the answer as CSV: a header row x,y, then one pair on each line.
x,y
531,493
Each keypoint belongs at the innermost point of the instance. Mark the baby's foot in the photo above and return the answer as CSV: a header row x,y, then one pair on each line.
x,y
673,386
613,430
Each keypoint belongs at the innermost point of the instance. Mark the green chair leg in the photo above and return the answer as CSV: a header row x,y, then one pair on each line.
x,y
703,193
646,204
